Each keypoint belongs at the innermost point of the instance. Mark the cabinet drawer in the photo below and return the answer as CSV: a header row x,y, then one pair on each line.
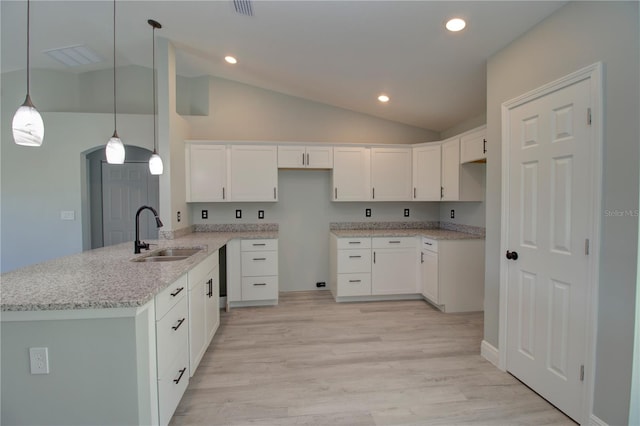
x,y
350,261
255,264
354,285
259,245
172,334
170,296
354,243
170,392
259,288
394,242
429,244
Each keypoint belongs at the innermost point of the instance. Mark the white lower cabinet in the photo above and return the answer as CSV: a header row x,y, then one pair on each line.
x,y
172,347
204,313
395,268
252,272
350,266
445,283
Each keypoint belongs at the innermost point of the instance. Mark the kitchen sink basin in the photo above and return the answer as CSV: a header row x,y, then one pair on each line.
x,y
168,255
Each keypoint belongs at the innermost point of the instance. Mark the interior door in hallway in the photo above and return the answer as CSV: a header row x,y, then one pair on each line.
x,y
548,226
125,188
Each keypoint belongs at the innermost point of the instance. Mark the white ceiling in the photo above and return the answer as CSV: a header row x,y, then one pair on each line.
x,y
342,53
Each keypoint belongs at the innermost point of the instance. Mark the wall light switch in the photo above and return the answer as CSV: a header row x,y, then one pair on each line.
x,y
67,215
39,360
238,214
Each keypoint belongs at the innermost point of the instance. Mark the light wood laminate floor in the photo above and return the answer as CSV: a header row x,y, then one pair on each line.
x,y
311,361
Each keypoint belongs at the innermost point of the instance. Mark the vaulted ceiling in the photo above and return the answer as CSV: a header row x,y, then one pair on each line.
x,y
342,53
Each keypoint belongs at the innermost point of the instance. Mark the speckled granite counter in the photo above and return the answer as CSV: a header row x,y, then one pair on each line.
x,y
436,234
106,278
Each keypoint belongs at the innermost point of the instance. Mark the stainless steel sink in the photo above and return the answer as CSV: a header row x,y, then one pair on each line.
x,y
168,254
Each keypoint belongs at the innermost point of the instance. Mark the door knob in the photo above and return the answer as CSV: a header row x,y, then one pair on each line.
x,y
512,255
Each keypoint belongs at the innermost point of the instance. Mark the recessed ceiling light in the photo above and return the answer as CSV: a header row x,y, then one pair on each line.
x,y
231,59
456,24
383,98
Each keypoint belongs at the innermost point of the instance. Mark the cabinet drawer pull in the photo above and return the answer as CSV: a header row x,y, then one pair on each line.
x,y
303,158
210,289
429,244
176,381
355,242
223,195
355,257
259,283
414,193
373,191
258,244
355,281
177,326
394,242
259,258
175,293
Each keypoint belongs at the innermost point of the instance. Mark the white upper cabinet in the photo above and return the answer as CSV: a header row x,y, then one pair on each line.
x,y
426,172
450,169
460,182
302,157
391,174
351,174
206,172
254,173
473,146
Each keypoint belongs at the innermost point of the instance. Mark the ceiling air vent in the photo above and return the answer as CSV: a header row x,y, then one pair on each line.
x,y
73,56
243,7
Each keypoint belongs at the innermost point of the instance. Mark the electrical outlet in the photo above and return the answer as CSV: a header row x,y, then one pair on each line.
x,y
260,214
367,212
179,216
406,212
321,284
453,214
39,360
238,214
205,214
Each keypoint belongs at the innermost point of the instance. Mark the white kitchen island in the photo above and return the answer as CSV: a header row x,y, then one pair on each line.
x,y
97,313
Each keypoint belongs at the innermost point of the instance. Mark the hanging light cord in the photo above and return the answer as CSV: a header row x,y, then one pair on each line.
x,y
154,88
28,27
115,127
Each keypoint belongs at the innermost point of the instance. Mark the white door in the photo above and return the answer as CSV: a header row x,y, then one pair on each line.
x,y
125,188
549,146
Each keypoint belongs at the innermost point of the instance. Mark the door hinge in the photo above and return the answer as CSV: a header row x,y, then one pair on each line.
x,y
589,116
586,246
582,373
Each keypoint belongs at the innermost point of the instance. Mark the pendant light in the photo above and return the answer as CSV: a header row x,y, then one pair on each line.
x,y
27,125
115,147
155,162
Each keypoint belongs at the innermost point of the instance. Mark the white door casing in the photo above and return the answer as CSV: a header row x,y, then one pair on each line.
x,y
551,197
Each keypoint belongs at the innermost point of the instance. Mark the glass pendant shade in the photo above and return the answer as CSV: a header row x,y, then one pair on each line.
x,y
28,128
155,164
115,150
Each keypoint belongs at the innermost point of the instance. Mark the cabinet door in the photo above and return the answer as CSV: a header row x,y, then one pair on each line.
x,y
319,157
212,308
351,174
394,271
426,173
206,172
254,173
451,170
291,156
197,343
473,147
430,276
391,174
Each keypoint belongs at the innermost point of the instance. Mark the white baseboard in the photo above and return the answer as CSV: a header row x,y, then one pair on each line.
x,y
489,352
596,421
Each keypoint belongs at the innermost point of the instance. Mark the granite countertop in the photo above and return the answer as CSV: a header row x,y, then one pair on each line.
x,y
436,234
105,277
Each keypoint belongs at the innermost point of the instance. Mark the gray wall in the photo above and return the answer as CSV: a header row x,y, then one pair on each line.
x,y
303,213
580,34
